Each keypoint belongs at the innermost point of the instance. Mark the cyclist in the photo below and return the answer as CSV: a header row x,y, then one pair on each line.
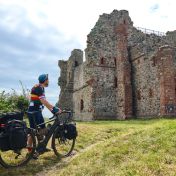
x,y
37,103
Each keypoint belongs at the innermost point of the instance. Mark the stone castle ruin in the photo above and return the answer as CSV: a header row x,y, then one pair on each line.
x,y
128,72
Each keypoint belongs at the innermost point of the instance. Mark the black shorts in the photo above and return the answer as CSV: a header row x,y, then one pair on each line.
x,y
36,118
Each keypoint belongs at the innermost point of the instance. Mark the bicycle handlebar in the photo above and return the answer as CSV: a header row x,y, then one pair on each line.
x,y
63,111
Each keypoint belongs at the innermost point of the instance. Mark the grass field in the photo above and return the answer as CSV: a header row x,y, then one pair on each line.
x,y
122,148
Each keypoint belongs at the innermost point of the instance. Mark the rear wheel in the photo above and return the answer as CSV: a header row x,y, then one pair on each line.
x,y
19,157
62,146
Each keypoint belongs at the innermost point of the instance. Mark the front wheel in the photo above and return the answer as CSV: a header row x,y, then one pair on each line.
x,y
62,146
19,157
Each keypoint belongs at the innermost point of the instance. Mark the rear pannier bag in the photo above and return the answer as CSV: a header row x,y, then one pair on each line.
x,y
70,131
4,141
18,135
5,117
14,137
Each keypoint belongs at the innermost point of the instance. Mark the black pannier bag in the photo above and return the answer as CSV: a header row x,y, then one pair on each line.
x,y
70,131
14,137
4,141
5,117
17,135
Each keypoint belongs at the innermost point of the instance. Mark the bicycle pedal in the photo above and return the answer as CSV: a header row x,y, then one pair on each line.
x,y
43,150
35,156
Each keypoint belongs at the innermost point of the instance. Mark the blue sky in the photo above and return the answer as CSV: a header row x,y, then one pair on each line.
x,y
35,34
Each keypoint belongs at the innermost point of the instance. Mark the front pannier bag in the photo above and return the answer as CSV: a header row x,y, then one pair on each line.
x,y
70,131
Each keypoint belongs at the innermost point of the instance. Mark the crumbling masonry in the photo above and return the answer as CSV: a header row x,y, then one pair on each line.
x,y
127,72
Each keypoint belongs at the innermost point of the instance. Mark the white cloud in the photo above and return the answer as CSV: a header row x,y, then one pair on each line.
x,y
76,18
35,34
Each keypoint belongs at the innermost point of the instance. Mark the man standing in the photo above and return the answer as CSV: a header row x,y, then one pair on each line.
x,y
37,103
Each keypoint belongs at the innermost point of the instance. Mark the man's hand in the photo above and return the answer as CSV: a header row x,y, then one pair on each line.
x,y
60,110
56,110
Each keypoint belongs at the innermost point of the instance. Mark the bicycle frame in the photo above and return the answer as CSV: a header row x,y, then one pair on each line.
x,y
50,132
54,127
58,140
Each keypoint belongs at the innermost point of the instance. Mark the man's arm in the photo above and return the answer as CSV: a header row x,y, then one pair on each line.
x,y
47,104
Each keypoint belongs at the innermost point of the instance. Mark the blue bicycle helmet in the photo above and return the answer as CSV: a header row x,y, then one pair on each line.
x,y
42,78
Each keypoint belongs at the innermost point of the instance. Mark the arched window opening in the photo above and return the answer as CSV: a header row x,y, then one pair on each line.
x,y
76,63
82,105
69,75
150,93
139,95
115,82
175,85
153,61
102,60
115,62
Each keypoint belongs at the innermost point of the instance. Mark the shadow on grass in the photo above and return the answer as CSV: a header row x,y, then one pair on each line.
x,y
33,167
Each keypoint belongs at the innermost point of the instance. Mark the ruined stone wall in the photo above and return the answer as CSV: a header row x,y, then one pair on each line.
x,y
75,60
123,75
165,59
145,74
79,77
104,93
62,82
66,80
95,90
171,38
146,44
102,40
146,89
123,72
101,53
82,94
83,103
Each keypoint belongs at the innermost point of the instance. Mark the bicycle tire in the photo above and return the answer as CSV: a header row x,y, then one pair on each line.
x,y
62,142
27,158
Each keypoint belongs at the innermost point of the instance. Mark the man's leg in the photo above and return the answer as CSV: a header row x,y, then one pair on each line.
x,y
40,120
32,124
42,131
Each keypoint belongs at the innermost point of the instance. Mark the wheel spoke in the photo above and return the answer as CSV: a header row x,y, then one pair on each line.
x,y
62,146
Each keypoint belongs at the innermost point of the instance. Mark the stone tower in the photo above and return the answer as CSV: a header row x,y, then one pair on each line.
x,y
128,72
66,80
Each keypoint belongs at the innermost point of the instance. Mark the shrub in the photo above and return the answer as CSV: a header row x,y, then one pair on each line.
x,y
13,102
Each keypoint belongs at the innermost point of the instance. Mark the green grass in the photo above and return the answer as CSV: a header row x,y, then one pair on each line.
x,y
122,148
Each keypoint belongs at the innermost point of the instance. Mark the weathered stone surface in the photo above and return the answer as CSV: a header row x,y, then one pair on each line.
x,y
166,72
66,80
123,72
127,73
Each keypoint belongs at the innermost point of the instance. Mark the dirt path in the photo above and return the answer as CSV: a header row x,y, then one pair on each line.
x,y
65,161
